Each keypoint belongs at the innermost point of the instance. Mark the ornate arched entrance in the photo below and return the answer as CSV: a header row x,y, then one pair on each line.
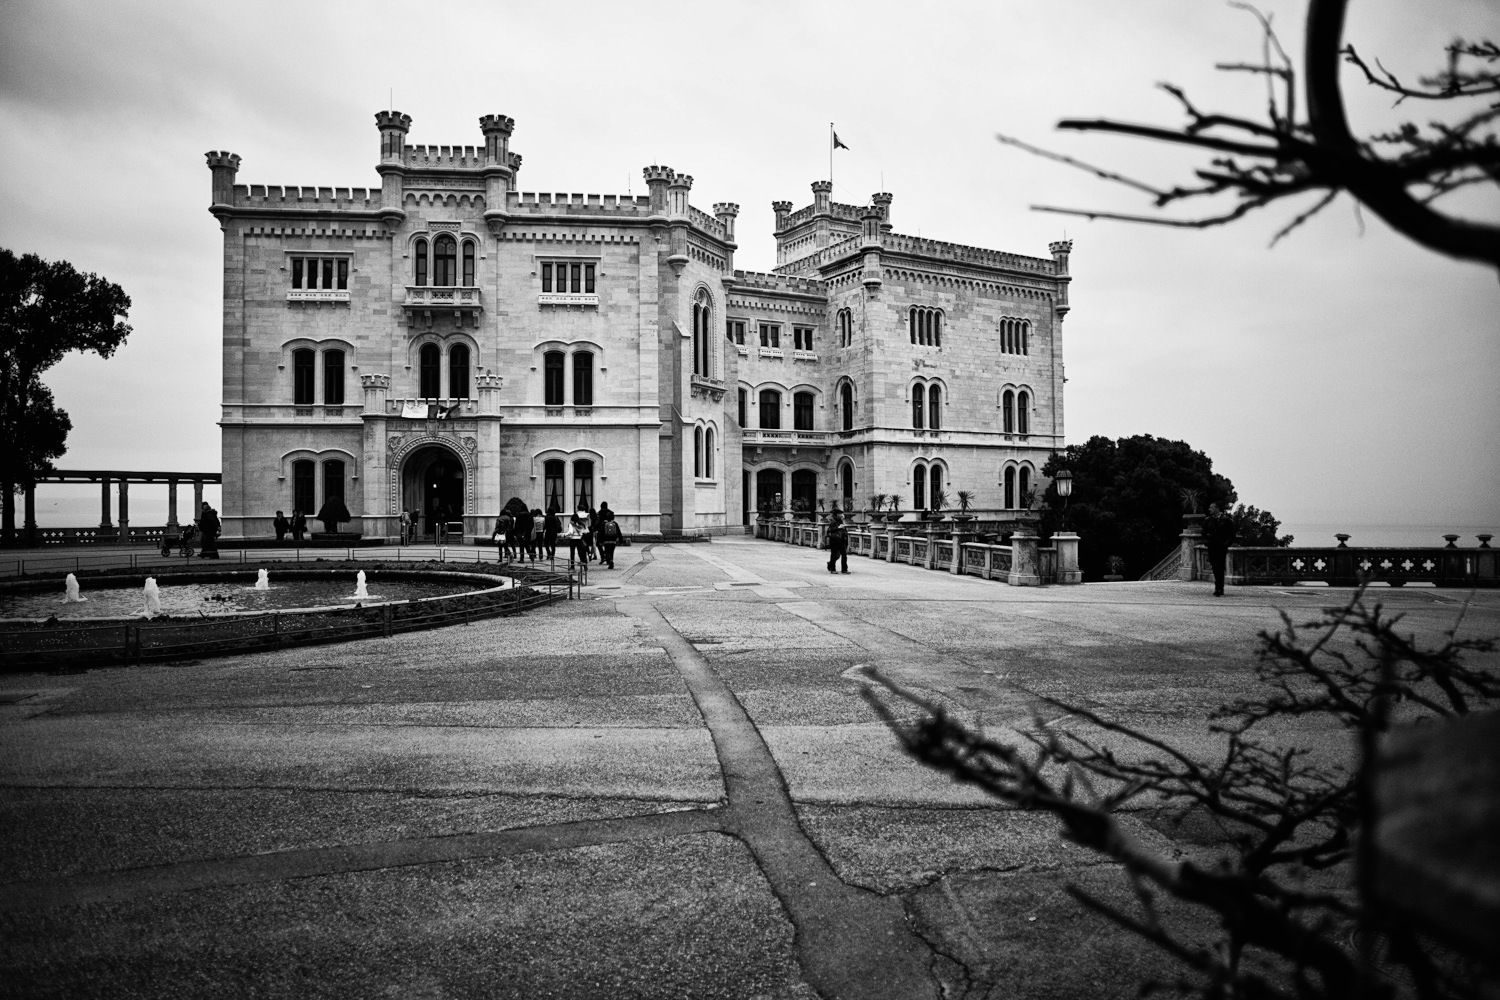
x,y
432,482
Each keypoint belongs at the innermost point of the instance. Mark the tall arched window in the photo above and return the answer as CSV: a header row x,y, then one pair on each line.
x,y
419,258
444,261
583,378
846,403
302,487
552,483
1010,488
934,407
802,411
918,405
708,453
1025,484
333,481
468,262
935,477
744,405
919,488
303,377
846,482
702,313
770,410
552,378
458,372
846,327
333,378
1025,336
429,371
1008,413
698,452
583,484
1023,412
768,483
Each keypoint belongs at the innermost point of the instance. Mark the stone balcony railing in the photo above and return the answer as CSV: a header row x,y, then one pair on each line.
x,y
786,439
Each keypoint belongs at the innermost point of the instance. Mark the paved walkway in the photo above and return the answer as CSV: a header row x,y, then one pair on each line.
x,y
670,789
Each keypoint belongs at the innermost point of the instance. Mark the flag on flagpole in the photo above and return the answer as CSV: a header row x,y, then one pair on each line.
x,y
837,142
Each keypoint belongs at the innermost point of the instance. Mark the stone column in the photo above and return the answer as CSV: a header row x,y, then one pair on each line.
x,y
890,536
1192,534
1067,557
172,524
197,500
1023,559
960,539
124,511
28,524
931,561
104,522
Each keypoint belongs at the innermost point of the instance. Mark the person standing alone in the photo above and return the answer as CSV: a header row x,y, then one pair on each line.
x,y
838,543
1218,534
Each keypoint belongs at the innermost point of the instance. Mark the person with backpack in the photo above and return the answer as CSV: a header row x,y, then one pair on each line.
x,y
609,535
505,527
551,528
838,542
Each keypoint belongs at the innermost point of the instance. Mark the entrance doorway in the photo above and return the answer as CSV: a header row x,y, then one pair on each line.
x,y
433,483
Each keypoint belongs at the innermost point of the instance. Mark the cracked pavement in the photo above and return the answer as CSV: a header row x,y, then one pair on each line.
x,y
671,788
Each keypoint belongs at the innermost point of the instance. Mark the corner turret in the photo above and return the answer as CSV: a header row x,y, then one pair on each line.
x,y
657,179
822,197
882,201
1060,252
783,210
677,196
870,218
500,167
393,126
725,212
223,166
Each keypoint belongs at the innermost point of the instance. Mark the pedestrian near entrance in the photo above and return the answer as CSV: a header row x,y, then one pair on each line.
x,y
505,527
609,535
534,543
551,528
299,525
838,543
282,526
405,527
1218,534
521,535
208,526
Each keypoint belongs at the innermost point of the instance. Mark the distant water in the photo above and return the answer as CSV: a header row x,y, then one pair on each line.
x,y
1313,534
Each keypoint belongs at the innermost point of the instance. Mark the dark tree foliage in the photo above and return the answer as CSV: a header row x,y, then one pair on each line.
x,y
1303,147
1253,526
333,513
1128,498
46,310
1284,904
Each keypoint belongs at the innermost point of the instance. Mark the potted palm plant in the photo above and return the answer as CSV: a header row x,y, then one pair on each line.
x,y
936,504
965,502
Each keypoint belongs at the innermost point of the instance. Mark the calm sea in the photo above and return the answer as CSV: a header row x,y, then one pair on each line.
x,y
1313,534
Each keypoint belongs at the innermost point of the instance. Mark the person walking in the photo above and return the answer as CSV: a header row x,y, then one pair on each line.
x,y
838,542
282,526
522,534
551,528
580,538
1218,534
209,527
405,527
505,534
299,526
609,535
534,543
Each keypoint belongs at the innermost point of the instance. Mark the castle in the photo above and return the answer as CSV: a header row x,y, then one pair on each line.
x,y
446,342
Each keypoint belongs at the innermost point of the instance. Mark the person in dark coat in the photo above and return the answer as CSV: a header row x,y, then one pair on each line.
x,y
208,525
1218,535
838,542
608,536
282,526
299,525
551,528
522,535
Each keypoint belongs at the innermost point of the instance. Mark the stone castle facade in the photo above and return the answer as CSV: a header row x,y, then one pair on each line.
x,y
445,342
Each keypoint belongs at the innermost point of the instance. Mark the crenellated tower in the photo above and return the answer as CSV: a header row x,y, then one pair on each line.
x,y
223,166
393,126
500,168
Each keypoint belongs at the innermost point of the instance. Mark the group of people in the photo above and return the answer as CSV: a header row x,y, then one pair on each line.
x,y
589,534
296,526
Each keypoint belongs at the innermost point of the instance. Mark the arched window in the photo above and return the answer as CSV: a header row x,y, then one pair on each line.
x,y
846,403
333,378
1025,484
1010,488
1023,412
333,481
302,487
444,261
1025,336
846,327
918,404
552,378
468,262
708,453
552,483
702,314
698,452
846,482
768,483
458,372
583,378
1008,413
429,371
303,377
802,411
805,488
926,326
919,488
770,410
419,258
935,476
583,484
934,407
744,405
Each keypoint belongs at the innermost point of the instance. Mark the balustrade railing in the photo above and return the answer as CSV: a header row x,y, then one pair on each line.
x,y
1348,566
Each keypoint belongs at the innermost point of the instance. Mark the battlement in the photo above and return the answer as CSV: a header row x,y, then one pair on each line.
x,y
445,157
780,283
957,253
707,223
836,209
835,251
530,203
291,197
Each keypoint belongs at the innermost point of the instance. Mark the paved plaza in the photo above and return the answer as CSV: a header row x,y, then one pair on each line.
x,y
671,788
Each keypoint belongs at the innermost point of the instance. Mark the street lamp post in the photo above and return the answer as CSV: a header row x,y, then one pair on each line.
x,y
1063,480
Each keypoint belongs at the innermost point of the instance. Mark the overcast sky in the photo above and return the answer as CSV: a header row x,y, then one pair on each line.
x,y
1342,376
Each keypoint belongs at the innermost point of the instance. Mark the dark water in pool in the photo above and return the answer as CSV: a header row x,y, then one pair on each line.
x,y
223,597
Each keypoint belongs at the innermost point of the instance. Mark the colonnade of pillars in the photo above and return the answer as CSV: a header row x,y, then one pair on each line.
x,y
106,525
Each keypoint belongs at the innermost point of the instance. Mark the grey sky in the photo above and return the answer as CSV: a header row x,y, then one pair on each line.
x,y
1344,375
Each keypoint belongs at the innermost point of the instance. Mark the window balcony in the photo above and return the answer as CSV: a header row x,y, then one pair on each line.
x,y
422,301
771,352
318,295
581,299
781,438
804,355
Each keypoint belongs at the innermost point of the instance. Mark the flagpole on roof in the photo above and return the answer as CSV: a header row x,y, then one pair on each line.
x,y
830,154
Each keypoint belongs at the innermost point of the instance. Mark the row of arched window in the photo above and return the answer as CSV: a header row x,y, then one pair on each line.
x,y
926,326
1015,411
933,408
705,441
844,321
430,360
566,482
555,380
703,314
1015,336
305,480
927,481
305,377
441,261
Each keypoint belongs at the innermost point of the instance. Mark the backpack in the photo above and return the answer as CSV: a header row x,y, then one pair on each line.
x,y
611,531
503,525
